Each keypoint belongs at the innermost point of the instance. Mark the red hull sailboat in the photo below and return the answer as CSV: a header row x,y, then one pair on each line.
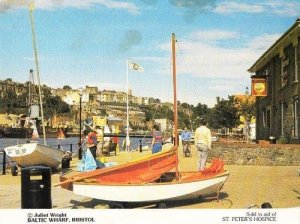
x,y
149,179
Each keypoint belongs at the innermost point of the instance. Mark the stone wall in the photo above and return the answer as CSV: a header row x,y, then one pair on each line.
x,y
257,154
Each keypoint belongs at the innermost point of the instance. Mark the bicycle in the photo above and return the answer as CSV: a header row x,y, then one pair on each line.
x,y
186,146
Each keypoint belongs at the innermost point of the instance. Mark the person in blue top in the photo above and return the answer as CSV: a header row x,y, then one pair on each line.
x,y
157,139
186,137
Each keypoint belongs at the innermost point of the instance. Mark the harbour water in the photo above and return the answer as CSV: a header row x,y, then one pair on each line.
x,y
67,144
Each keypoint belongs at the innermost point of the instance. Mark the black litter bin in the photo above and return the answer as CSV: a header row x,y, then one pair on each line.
x,y
272,140
65,163
36,187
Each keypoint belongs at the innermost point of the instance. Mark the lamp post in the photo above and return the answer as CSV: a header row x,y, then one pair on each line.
x,y
80,92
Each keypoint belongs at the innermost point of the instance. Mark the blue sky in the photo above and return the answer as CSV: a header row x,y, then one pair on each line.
x,y
88,43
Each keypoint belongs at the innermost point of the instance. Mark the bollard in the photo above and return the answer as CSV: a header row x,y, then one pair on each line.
x,y
58,146
79,151
141,148
272,140
36,187
71,151
65,163
4,163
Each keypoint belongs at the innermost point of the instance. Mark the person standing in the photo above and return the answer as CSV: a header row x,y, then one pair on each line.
x,y
186,137
203,143
157,139
91,142
100,139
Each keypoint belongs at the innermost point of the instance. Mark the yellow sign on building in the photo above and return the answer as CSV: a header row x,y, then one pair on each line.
x,y
99,121
259,87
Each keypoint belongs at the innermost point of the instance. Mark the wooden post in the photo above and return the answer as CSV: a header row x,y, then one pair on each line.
x,y
175,103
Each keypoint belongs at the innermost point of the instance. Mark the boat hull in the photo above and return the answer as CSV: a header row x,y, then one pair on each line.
x,y
153,192
10,132
1,133
31,154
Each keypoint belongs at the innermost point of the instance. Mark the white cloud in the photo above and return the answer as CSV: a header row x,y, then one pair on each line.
x,y
54,4
205,60
219,87
284,8
211,60
212,35
276,7
236,7
261,43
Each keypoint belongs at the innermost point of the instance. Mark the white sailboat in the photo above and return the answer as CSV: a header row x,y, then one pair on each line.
x,y
33,153
149,179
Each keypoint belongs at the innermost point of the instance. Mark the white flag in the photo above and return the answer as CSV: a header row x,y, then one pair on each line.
x,y
135,67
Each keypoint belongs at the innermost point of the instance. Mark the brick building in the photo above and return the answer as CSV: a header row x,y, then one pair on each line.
x,y
278,113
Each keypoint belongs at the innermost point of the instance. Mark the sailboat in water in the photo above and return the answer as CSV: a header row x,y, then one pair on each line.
x,y
34,153
153,179
60,134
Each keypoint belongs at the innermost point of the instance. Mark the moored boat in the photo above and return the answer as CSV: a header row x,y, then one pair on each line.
x,y
149,179
14,132
1,132
124,183
31,154
23,132
187,187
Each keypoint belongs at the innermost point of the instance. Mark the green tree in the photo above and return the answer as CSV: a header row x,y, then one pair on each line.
x,y
223,114
200,111
67,87
54,104
9,102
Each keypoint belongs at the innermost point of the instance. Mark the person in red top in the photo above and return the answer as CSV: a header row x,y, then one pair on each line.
x,y
157,139
90,141
115,139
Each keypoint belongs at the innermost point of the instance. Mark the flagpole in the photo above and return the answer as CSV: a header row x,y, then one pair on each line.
x,y
127,111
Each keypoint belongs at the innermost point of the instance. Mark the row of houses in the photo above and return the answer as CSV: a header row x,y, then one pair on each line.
x,y
93,102
106,103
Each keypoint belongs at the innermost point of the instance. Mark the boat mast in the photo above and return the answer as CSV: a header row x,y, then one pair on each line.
x,y
175,101
37,68
127,110
29,90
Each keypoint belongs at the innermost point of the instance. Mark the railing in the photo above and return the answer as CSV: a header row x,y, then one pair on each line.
x,y
59,146
65,146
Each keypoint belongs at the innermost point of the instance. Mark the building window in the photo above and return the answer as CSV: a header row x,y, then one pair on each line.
x,y
282,107
284,73
295,117
264,118
296,64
